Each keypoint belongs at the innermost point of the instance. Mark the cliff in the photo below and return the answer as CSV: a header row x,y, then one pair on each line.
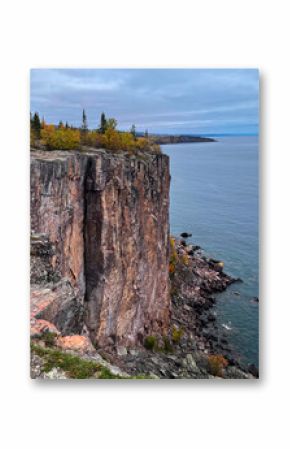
x,y
99,247
110,297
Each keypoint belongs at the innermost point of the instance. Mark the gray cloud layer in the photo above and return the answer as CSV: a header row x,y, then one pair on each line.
x,y
197,101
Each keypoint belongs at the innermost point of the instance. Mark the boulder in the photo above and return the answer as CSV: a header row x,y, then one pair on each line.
x,y
121,351
195,247
216,265
39,327
190,364
185,235
253,370
78,343
55,374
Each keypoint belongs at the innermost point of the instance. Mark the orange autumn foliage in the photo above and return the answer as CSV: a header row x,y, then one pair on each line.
x,y
216,364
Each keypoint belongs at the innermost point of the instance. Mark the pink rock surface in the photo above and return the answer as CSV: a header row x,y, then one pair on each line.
x,y
39,327
78,343
106,218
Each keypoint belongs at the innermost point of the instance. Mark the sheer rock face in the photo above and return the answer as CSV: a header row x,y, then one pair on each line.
x,y
106,225
57,211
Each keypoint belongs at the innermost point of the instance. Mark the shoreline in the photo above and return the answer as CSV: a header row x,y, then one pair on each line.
x,y
193,348
196,339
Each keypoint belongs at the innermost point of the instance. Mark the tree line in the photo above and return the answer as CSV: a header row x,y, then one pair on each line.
x,y
67,137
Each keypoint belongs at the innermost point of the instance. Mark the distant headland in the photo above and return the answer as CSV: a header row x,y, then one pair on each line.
x,y
164,139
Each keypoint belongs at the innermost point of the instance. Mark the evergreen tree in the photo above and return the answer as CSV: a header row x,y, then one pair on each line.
x,y
103,124
60,125
36,125
146,135
133,131
85,122
66,125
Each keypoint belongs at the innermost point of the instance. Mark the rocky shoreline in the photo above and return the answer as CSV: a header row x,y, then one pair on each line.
x,y
194,348
111,291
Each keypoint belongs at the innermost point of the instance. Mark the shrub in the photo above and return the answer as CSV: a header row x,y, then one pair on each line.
x,y
127,142
112,140
173,256
185,259
171,268
94,139
216,364
33,138
173,253
167,345
177,335
60,138
172,243
116,141
150,342
142,143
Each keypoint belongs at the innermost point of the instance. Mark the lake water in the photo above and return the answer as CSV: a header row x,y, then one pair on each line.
x,y
214,196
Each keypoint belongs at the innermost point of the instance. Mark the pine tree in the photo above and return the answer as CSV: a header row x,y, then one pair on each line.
x,y
36,125
146,135
133,131
60,125
103,124
85,122
66,125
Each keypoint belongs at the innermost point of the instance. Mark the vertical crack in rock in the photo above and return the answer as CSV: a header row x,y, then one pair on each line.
x,y
94,258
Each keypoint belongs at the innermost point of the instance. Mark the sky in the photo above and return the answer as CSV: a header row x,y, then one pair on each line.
x,y
179,101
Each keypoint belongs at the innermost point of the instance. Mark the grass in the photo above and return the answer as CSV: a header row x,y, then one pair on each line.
x,y
48,338
150,342
74,366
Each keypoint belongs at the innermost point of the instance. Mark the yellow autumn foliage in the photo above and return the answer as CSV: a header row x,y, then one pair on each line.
x,y
66,138
185,259
60,138
112,140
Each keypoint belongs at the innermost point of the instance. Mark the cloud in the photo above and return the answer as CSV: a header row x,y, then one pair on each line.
x,y
163,100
